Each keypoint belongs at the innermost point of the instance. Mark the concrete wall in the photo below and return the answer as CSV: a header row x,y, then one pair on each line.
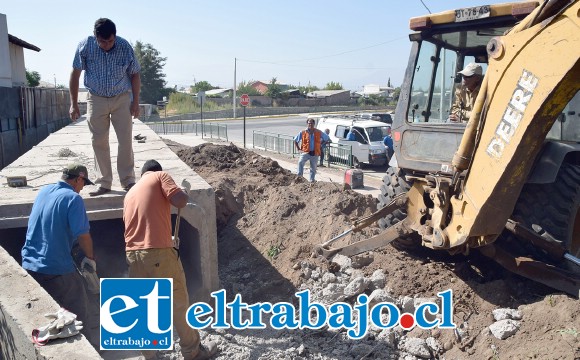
x,y
18,68
22,305
5,64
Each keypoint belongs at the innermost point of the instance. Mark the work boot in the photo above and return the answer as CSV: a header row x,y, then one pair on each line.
x,y
100,191
204,353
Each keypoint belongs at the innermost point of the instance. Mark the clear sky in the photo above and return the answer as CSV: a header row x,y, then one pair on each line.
x,y
298,42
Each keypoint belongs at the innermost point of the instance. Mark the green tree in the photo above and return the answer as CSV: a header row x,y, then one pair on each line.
x,y
32,78
396,94
202,86
245,88
373,100
274,90
333,86
152,76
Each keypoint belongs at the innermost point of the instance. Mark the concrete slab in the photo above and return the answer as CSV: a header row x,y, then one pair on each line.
x,y
43,165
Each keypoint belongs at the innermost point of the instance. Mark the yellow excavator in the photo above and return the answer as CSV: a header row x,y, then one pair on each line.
x,y
507,181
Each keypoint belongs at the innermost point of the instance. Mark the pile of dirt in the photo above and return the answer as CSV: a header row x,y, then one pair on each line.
x,y
269,221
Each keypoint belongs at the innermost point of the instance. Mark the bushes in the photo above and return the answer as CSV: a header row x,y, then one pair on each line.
x,y
180,103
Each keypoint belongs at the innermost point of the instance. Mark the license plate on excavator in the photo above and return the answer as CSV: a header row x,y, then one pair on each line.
x,y
472,13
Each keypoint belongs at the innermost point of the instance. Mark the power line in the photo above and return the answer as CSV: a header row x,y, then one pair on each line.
x,y
312,66
425,6
326,56
350,51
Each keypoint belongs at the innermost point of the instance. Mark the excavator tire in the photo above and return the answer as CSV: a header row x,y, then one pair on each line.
x,y
552,210
394,183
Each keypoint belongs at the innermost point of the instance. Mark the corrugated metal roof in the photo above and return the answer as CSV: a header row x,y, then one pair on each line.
x,y
16,41
217,91
325,93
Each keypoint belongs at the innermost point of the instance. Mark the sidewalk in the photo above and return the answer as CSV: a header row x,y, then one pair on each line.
x,y
372,185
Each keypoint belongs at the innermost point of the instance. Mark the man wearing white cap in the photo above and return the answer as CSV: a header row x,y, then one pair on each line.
x,y
465,95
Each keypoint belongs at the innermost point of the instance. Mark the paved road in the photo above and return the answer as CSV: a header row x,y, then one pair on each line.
x,y
287,125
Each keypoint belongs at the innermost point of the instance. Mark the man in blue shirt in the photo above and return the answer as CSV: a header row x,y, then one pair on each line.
x,y
388,142
113,82
323,150
308,143
57,222
350,136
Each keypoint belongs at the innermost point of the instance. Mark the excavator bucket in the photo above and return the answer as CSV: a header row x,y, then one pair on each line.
x,y
396,231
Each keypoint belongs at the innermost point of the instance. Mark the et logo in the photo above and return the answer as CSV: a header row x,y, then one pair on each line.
x,y
136,314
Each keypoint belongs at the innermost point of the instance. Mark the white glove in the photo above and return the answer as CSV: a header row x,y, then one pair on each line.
x,y
60,319
88,264
185,186
88,271
175,241
41,335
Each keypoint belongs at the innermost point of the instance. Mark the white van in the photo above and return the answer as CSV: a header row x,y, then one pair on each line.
x,y
368,147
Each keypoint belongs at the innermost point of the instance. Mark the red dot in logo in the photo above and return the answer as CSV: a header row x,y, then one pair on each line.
x,y
407,321
154,342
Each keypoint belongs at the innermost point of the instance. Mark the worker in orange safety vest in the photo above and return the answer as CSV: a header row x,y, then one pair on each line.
x,y
308,142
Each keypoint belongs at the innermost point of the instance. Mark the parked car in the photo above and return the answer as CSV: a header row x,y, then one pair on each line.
x,y
367,148
382,117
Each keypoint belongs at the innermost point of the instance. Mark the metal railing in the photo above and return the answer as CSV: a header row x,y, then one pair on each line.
x,y
211,130
279,143
339,154
335,154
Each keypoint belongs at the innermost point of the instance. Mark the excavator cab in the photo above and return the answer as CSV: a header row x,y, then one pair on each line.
x,y
442,44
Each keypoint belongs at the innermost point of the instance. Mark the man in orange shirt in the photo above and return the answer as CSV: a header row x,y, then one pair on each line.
x,y
150,252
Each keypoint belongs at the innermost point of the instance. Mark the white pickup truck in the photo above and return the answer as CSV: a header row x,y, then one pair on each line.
x,y
368,147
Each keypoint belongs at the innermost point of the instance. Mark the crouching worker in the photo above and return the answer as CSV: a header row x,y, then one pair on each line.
x,y
150,252
58,222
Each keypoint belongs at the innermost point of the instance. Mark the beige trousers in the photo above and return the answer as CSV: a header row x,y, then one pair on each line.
x,y
164,263
101,113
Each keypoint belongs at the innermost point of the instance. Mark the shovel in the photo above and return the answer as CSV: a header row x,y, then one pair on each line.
x,y
186,186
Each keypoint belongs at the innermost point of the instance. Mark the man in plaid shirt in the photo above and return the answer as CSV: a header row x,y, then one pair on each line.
x,y
113,82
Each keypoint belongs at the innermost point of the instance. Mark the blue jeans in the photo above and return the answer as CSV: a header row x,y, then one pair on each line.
x,y
322,153
313,162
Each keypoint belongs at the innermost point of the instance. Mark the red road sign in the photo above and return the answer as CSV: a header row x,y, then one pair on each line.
x,y
244,100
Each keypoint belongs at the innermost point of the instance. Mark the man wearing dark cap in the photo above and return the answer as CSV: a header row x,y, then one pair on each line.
x,y
113,83
465,95
58,222
150,252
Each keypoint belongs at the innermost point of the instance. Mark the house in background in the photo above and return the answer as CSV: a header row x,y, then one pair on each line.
x,y
27,115
331,97
12,68
262,86
374,89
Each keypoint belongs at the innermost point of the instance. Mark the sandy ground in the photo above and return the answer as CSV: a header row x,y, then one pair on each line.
x,y
269,220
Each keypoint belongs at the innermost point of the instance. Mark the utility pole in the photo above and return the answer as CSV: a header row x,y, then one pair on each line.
x,y
234,99
54,80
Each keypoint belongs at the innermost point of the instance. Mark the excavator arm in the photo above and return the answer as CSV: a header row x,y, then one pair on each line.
x,y
533,72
